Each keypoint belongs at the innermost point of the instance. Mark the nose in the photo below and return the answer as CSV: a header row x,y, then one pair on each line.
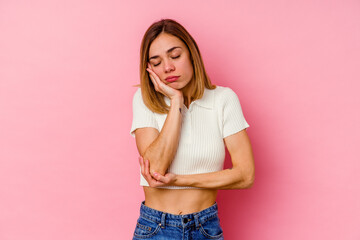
x,y
169,66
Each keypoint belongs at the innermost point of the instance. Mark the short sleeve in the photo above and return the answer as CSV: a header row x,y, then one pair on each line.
x,y
142,116
233,117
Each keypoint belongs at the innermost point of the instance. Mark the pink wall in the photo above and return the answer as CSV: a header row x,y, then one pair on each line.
x,y
68,165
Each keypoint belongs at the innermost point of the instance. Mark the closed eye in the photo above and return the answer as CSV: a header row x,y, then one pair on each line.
x,y
172,58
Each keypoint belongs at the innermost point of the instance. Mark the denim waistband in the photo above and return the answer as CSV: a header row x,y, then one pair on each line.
x,y
164,218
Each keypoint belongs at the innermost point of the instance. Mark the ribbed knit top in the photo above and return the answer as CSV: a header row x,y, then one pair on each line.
x,y
205,124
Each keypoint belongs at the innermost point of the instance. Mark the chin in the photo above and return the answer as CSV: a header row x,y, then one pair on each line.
x,y
175,85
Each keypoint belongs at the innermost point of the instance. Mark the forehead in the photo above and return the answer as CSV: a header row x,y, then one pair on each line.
x,y
164,42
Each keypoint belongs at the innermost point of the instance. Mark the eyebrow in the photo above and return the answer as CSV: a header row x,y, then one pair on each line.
x,y
168,51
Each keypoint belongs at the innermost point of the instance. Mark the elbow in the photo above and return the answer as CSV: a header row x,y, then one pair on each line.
x,y
250,178
247,181
149,155
146,154
156,162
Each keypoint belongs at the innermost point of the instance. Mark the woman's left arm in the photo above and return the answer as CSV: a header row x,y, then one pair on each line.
x,y
241,175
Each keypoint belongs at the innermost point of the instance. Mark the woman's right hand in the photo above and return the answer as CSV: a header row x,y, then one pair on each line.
x,y
161,87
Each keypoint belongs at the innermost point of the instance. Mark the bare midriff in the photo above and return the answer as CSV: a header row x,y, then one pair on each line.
x,y
179,201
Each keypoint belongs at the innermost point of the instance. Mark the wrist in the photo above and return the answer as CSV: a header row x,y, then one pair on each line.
x,y
180,181
177,104
177,100
176,180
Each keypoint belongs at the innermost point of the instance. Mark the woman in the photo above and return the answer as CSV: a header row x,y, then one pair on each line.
x,y
182,123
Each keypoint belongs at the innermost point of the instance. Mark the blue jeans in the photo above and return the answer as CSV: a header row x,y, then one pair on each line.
x,y
158,225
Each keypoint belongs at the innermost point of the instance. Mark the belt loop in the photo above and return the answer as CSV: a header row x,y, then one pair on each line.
x,y
197,222
163,220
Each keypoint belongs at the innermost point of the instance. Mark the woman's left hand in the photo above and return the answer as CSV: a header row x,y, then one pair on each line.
x,y
157,180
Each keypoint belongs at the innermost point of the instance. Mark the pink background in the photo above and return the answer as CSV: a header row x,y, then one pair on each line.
x,y
68,165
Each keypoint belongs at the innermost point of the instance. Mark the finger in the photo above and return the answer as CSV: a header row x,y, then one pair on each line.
x,y
146,174
159,177
158,84
141,160
152,77
164,179
147,170
147,167
166,89
152,182
151,72
151,68
156,176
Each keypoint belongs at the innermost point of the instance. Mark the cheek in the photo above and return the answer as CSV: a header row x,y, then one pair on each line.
x,y
157,72
187,67
190,70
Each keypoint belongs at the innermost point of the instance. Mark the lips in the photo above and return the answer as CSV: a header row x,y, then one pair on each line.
x,y
172,78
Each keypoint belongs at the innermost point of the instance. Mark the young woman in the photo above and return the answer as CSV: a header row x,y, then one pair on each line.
x,y
182,124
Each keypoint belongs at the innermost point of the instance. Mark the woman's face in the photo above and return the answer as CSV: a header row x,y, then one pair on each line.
x,y
169,56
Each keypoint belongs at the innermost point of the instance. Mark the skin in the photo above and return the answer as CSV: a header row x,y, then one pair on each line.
x,y
184,201
175,63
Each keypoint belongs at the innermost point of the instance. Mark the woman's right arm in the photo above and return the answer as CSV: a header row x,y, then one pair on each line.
x,y
160,148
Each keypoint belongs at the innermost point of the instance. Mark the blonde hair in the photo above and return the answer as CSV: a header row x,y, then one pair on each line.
x,y
154,100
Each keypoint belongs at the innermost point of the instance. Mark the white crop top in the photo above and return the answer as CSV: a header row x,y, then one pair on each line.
x,y
205,124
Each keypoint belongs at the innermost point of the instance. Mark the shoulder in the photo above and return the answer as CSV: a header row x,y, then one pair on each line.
x,y
137,97
223,94
137,93
221,90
